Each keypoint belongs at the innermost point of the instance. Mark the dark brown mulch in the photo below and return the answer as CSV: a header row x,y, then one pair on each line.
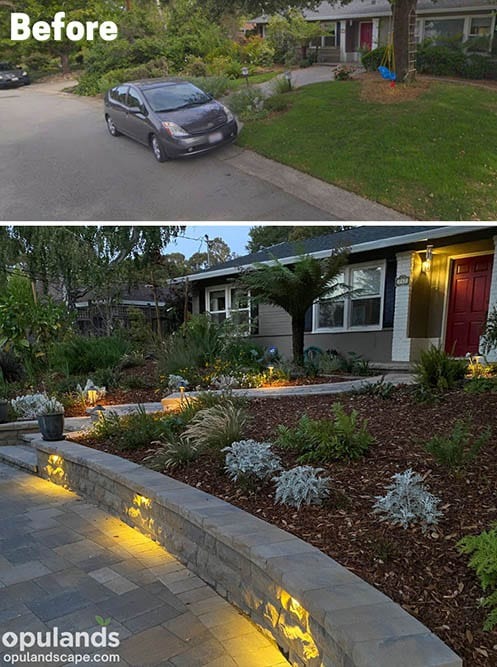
x,y
422,572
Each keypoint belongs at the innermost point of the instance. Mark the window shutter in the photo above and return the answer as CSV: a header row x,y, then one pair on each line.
x,y
254,318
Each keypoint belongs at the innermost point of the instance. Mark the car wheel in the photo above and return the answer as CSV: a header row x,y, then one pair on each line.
x,y
157,149
111,127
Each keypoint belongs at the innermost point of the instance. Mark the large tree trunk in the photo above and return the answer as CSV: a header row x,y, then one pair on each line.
x,y
401,11
64,61
298,326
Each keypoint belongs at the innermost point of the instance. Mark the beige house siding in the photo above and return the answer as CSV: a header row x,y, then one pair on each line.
x,y
372,345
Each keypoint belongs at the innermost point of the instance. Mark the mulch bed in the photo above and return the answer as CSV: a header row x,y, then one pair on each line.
x,y
421,571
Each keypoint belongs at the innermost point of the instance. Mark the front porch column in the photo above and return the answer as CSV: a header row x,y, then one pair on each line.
x,y
343,41
401,343
376,34
492,299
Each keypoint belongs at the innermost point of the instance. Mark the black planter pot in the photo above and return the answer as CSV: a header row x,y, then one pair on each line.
x,y
4,411
51,427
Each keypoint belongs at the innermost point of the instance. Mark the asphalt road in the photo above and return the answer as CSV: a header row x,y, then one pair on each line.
x,y
58,163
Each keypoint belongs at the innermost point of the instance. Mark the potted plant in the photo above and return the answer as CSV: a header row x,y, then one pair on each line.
x,y
51,419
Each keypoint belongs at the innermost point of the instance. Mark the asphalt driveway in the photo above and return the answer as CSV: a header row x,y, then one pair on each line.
x,y
59,163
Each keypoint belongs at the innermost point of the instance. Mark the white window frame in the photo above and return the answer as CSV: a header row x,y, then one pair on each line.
x,y
227,297
347,307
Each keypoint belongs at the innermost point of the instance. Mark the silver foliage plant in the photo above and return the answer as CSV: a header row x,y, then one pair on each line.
x,y
408,502
30,406
252,459
301,486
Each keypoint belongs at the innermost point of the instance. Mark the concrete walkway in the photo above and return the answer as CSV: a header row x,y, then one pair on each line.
x,y
63,562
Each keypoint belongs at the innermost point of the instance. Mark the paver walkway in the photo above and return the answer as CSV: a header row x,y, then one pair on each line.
x,y
302,77
63,562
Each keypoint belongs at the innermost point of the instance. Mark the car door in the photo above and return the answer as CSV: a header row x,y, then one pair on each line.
x,y
136,120
117,107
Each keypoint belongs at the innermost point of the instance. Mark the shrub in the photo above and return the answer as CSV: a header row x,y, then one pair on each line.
x,y
301,486
174,453
218,426
258,51
277,103
342,73
408,502
481,385
191,406
346,437
440,59
379,389
248,458
476,67
458,448
196,67
281,85
371,60
247,103
132,431
82,355
437,371
11,368
483,551
217,86
225,67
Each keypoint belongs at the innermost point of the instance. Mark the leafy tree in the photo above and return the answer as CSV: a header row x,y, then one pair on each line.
x,y
77,260
295,288
217,253
264,236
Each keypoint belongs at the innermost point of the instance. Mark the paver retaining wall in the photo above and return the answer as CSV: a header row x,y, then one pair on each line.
x,y
317,611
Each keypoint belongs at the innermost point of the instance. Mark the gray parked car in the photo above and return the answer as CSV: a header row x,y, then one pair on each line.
x,y
172,116
12,76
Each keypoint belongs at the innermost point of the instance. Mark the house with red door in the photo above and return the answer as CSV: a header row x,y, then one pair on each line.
x,y
412,287
362,25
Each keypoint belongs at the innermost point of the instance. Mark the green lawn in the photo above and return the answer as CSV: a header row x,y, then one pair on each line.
x,y
434,157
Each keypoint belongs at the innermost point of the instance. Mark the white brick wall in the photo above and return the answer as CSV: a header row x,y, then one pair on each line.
x,y
401,344
492,300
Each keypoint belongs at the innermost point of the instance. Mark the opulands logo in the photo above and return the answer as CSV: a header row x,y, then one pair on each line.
x,y
44,647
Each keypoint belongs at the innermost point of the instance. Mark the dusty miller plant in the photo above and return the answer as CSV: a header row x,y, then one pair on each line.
x,y
174,382
29,406
408,502
249,458
301,486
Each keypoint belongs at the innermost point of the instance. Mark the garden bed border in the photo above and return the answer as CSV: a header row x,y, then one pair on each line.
x,y
317,611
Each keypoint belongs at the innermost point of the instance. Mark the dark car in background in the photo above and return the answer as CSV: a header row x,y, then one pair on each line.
x,y
13,76
172,116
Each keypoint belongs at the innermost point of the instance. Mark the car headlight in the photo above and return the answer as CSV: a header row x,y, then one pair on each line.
x,y
229,114
25,74
174,130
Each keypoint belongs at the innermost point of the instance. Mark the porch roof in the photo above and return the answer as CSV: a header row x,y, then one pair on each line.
x,y
358,239
356,9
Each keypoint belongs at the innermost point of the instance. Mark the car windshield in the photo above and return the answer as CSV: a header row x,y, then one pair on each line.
x,y
175,96
5,67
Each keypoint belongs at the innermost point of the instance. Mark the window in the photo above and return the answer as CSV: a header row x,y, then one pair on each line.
x,y
480,26
366,297
229,303
329,38
361,309
119,94
134,100
446,29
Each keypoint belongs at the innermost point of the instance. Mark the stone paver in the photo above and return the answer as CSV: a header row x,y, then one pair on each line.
x,y
63,562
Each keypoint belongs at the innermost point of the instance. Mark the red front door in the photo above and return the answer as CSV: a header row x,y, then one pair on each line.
x,y
366,35
468,304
